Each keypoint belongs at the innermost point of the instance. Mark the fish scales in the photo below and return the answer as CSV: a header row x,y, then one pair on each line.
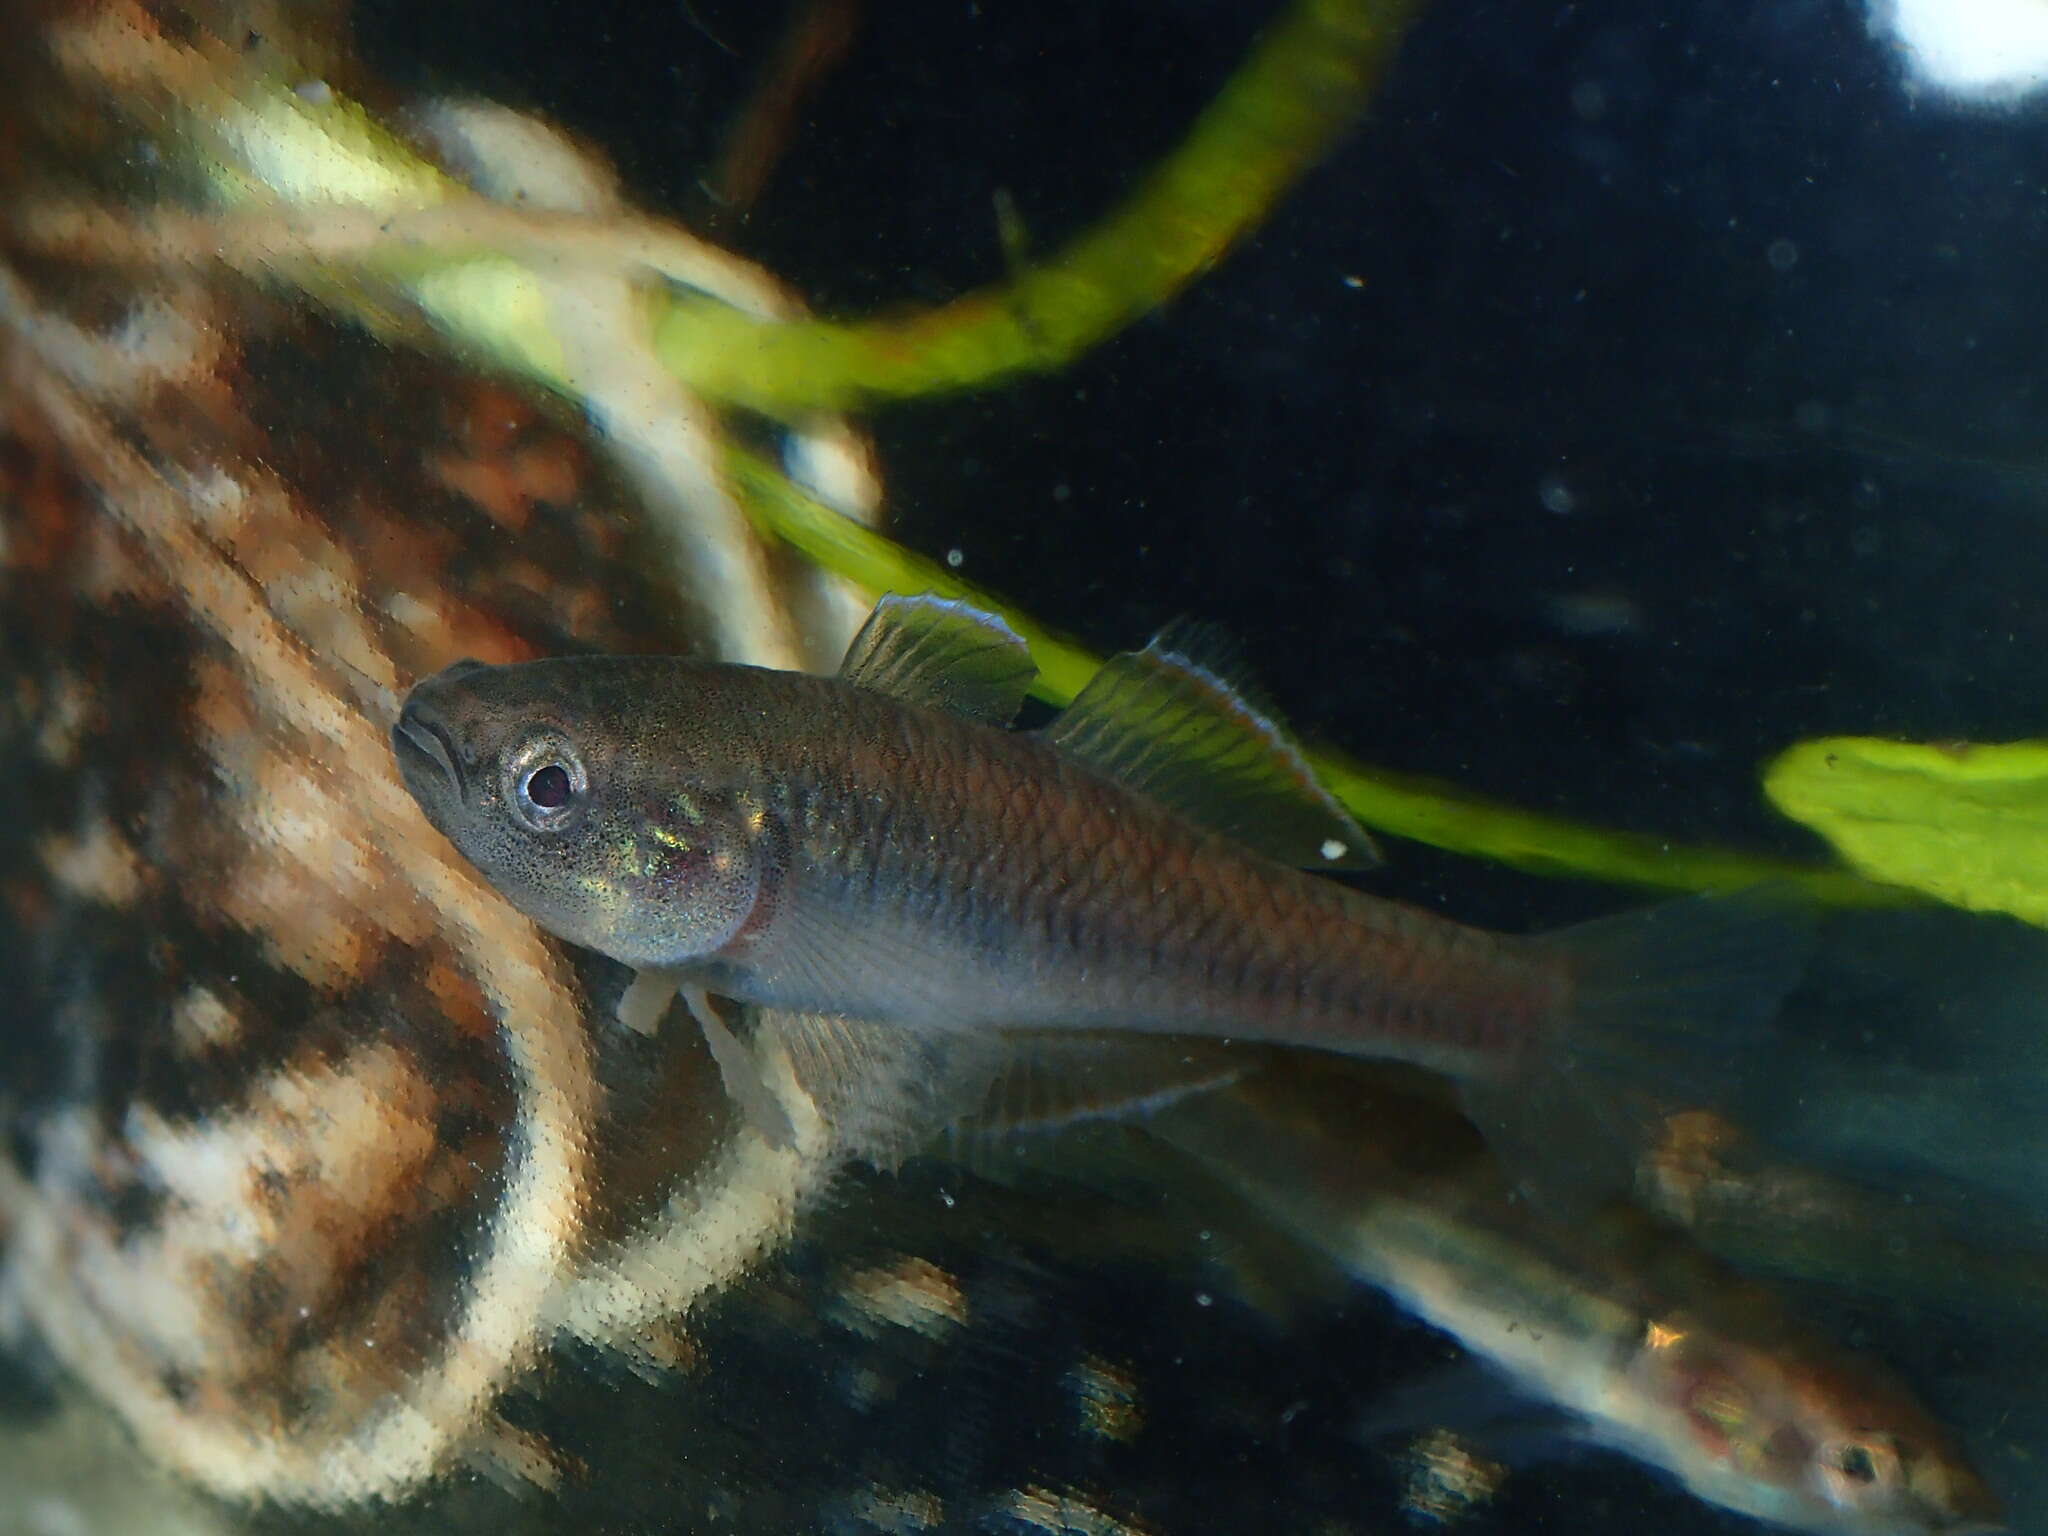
x,y
877,849
1654,1347
956,874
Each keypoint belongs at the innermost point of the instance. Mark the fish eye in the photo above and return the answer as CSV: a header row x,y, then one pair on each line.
x,y
548,788
1853,1468
546,783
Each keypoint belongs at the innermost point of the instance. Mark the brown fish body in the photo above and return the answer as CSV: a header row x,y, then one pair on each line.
x,y
877,846
931,870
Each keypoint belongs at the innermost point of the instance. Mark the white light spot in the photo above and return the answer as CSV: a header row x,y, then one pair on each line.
x,y
954,557
1988,50
1333,850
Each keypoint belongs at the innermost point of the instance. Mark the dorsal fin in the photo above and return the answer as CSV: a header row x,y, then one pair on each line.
x,y
1171,728
943,654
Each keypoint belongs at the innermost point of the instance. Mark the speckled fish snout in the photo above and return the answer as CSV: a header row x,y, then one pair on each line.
x,y
423,746
428,758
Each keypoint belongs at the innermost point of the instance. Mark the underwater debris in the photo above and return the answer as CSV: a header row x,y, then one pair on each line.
x,y
1065,1513
912,1293
1446,1480
1107,1397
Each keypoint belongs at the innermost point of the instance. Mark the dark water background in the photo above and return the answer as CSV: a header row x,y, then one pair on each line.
x,y
1708,277
1642,388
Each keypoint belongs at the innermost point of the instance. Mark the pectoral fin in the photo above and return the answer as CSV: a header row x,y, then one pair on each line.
x,y
645,1002
884,1089
742,1073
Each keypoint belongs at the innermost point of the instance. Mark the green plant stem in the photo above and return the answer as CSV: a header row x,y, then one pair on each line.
x,y
1404,805
1305,81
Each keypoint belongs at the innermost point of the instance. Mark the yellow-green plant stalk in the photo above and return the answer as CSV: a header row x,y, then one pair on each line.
x,y
1306,80
1421,809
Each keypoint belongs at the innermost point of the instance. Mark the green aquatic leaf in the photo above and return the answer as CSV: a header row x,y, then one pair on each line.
x,y
1962,822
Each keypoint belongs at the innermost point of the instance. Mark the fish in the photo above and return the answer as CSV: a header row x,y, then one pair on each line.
x,y
1918,1243
1650,1346
880,849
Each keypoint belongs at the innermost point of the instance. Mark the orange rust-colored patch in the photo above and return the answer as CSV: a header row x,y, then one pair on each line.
x,y
44,499
462,1002
509,459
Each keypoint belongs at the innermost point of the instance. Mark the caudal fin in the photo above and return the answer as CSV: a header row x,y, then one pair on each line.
x,y
1667,1009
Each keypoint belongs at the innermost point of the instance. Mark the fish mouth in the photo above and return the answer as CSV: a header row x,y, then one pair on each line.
x,y
422,745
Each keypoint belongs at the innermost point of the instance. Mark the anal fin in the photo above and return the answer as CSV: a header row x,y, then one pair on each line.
x,y
889,1090
1049,1079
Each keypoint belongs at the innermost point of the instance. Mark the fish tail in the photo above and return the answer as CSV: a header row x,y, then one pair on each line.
x,y
1662,1009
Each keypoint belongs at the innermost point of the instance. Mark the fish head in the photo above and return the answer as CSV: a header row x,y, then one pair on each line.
x,y
1811,1442
564,782
1875,1458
